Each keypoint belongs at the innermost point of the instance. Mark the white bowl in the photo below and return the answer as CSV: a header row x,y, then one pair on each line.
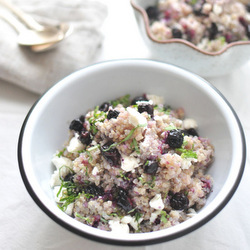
x,y
46,127
185,54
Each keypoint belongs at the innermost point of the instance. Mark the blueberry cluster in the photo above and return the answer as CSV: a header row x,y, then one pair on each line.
x,y
77,125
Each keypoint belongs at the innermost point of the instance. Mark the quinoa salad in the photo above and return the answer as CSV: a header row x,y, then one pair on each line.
x,y
208,24
132,166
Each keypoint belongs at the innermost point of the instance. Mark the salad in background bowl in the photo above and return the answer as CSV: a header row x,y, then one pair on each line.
x,y
209,38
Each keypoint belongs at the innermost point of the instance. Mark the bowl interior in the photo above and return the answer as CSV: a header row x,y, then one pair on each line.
x,y
46,129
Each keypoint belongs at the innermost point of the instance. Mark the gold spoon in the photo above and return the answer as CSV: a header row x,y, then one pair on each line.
x,y
39,37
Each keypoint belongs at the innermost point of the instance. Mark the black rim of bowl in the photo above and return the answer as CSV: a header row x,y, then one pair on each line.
x,y
134,242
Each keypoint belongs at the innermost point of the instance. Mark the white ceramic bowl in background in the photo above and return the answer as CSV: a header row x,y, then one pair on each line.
x,y
185,54
45,129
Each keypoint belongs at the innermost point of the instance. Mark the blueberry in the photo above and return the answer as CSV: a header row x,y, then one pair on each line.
x,y
82,118
157,221
122,199
69,177
146,108
190,131
112,155
94,190
152,12
175,138
242,21
139,98
76,125
85,137
151,167
179,201
190,34
104,107
213,31
112,114
95,223
176,33
197,8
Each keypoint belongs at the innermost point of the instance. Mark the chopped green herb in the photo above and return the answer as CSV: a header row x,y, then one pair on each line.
x,y
86,171
103,220
138,215
132,210
89,155
163,109
126,138
88,150
83,218
165,196
193,2
60,169
124,100
186,153
93,148
98,116
80,151
134,146
116,214
151,183
131,132
88,196
123,176
61,153
222,39
164,216
170,127
71,193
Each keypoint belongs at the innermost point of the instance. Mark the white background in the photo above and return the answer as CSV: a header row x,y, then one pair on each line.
x,y
24,226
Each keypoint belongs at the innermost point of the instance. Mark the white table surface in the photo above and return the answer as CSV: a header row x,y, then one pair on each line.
x,y
24,226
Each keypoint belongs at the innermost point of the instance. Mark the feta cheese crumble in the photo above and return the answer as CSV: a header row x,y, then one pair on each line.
x,y
157,202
